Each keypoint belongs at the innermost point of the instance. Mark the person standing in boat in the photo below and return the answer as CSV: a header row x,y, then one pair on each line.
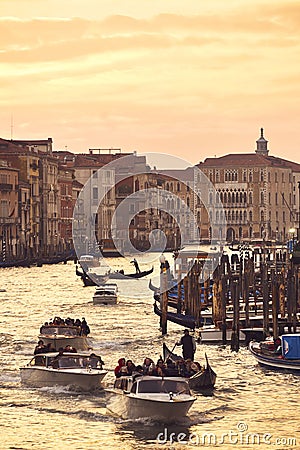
x,y
136,265
188,345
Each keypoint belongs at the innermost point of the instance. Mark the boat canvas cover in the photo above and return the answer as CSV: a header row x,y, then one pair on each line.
x,y
291,346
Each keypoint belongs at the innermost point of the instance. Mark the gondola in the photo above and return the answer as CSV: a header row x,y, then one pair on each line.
x,y
181,319
119,275
92,279
203,380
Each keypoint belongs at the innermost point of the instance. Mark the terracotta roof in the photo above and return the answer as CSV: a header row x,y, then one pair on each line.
x,y
248,160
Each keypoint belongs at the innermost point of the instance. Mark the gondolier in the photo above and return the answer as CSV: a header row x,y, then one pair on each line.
x,y
188,345
136,265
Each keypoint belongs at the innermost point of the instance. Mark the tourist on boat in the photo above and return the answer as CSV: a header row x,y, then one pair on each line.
x,y
148,366
188,345
55,362
96,361
85,329
40,348
69,349
160,369
172,370
191,367
50,348
130,367
181,368
277,346
77,323
136,265
121,363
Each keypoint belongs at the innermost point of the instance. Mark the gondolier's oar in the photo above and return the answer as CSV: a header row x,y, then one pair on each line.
x,y
170,352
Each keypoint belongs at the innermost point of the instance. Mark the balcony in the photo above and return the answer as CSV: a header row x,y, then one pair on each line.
x,y
6,187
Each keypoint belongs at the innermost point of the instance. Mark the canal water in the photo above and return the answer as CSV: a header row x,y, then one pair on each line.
x,y
251,408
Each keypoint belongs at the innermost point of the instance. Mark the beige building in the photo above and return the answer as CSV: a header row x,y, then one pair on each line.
x,y
258,193
9,213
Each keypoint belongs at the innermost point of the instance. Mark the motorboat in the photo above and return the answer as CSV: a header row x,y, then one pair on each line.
x,y
143,396
204,379
211,334
63,335
78,370
106,294
285,356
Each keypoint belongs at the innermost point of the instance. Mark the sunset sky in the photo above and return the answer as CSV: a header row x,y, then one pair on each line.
x,y
189,78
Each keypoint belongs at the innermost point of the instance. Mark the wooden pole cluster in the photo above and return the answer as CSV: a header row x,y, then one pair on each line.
x,y
276,282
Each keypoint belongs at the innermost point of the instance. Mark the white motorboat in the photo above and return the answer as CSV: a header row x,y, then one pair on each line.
x,y
63,335
78,370
211,334
106,294
157,398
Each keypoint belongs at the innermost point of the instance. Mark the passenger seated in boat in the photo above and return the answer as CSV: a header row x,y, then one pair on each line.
x,y
69,349
160,369
121,363
182,372
49,348
139,370
85,329
191,367
277,346
130,367
40,348
55,362
148,366
172,370
95,361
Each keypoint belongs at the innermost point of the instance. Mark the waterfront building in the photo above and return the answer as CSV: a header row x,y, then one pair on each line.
x,y
9,212
258,193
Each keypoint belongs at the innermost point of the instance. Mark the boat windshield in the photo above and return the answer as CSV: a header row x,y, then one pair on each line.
x,y
61,330
68,361
163,386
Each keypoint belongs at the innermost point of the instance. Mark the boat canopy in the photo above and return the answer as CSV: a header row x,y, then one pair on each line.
x,y
291,346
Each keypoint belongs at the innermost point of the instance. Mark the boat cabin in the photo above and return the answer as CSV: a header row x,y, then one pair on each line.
x,y
60,330
152,385
66,361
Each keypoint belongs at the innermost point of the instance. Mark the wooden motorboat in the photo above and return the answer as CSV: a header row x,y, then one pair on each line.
x,y
106,294
205,379
120,275
63,335
77,370
135,397
284,357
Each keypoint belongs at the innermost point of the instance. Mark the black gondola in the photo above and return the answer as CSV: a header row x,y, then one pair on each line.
x,y
205,379
181,319
120,275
